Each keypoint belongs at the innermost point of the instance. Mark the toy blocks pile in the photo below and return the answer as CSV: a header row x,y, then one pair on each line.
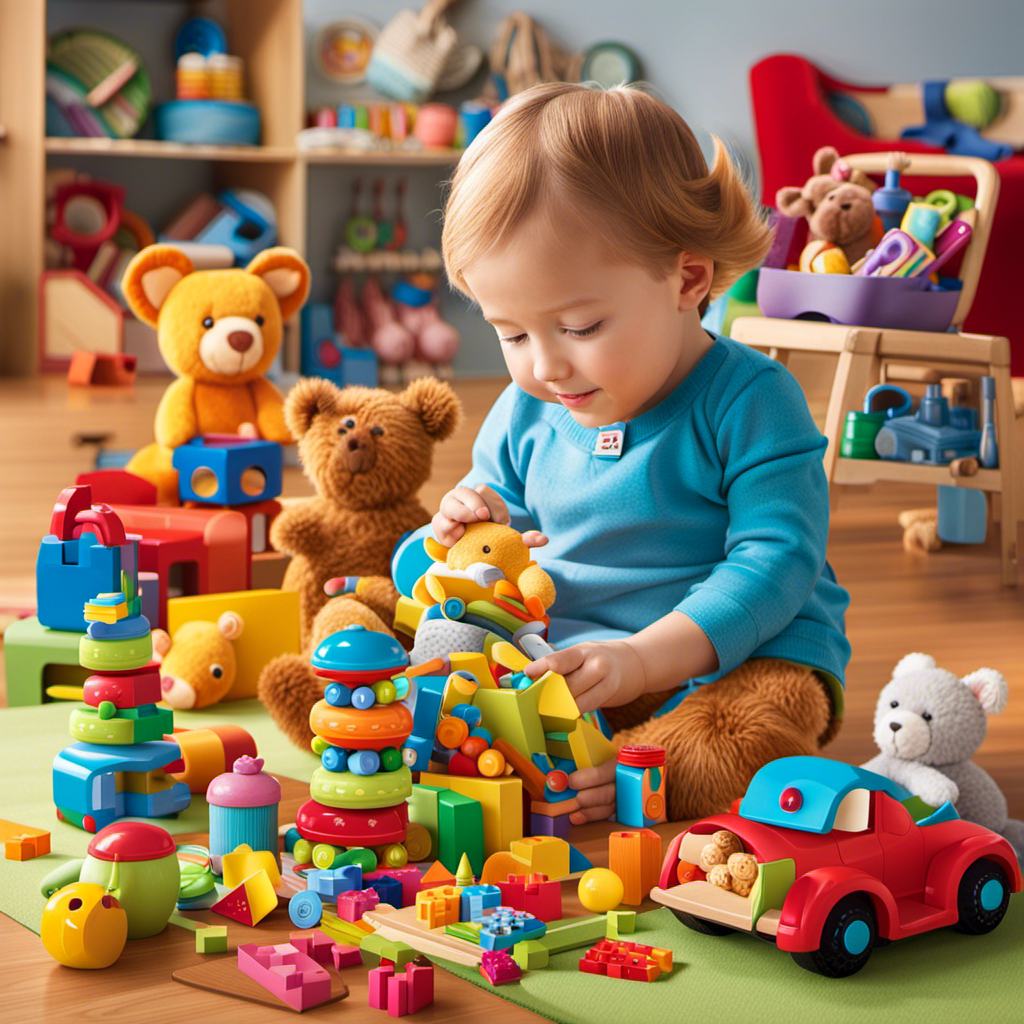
x,y
615,958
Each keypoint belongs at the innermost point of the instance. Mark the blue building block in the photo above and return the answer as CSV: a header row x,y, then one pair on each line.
x,y
71,572
85,783
476,899
424,716
324,355
227,459
578,861
244,224
331,883
388,889
503,928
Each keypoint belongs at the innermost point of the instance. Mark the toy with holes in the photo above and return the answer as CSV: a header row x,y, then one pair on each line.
x,y
116,769
358,794
790,865
227,469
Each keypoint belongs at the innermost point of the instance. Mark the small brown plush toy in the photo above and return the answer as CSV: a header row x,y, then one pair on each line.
x,y
198,666
367,452
219,331
836,201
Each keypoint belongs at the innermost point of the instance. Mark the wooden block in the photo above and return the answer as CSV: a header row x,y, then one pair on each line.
x,y
501,802
574,934
268,569
212,940
635,856
546,855
460,830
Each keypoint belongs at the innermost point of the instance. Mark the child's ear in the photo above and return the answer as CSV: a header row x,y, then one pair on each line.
x,y
287,275
694,274
149,278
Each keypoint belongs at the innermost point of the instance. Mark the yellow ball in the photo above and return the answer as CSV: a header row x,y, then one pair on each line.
x,y
600,890
83,926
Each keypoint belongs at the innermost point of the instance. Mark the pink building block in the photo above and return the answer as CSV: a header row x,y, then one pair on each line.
x,y
354,903
377,980
293,977
498,967
346,956
421,985
398,996
315,945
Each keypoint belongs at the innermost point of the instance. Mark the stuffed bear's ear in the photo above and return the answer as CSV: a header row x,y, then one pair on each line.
x,y
824,158
436,405
912,663
791,202
990,688
437,551
149,278
230,625
287,275
161,642
311,397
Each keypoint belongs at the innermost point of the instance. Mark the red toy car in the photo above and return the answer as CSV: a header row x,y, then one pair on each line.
x,y
846,859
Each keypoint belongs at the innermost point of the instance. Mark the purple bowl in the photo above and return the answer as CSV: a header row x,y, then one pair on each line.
x,y
898,302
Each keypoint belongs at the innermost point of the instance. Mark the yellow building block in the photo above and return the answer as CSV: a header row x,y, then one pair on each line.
x,y
544,855
512,715
271,627
509,656
557,707
407,616
440,906
475,662
457,690
501,800
589,746
243,862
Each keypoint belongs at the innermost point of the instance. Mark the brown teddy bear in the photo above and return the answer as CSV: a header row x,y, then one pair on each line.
x,y
836,201
198,666
219,331
367,453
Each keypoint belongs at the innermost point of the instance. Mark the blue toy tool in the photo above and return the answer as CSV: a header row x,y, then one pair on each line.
x,y
942,131
891,200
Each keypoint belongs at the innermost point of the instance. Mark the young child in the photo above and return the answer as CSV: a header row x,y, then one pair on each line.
x,y
675,477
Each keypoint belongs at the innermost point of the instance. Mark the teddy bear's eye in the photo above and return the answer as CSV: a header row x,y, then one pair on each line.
x,y
350,423
487,549
208,322
927,717
376,431
217,671
894,704
259,321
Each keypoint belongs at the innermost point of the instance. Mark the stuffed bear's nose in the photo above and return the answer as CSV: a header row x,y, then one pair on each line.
x,y
353,444
240,341
895,726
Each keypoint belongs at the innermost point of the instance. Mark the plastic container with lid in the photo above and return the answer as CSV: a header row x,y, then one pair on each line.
x,y
640,786
243,809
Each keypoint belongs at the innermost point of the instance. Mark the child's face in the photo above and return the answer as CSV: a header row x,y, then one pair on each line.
x,y
605,339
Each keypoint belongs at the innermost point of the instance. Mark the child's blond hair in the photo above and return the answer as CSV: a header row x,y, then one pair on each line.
x,y
620,160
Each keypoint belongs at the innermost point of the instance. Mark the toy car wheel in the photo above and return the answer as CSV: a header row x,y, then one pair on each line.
x,y
698,924
850,932
982,898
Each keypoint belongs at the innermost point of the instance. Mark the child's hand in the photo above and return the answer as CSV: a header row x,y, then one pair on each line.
x,y
478,504
596,792
597,673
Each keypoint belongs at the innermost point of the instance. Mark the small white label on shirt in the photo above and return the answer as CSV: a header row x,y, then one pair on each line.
x,y
609,441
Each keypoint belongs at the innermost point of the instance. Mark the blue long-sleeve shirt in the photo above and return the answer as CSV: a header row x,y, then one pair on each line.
x,y
717,507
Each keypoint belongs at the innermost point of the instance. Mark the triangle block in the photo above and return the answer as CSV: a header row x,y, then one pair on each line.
x,y
435,876
557,707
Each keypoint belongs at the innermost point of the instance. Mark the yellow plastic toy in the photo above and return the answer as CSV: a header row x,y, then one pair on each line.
x,y
600,890
84,927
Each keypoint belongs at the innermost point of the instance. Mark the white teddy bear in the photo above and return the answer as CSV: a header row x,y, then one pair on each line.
x,y
928,723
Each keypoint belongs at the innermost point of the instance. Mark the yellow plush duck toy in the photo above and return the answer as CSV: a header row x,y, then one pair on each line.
x,y
219,331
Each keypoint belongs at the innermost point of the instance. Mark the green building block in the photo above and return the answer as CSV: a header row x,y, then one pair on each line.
x,y
212,940
513,715
530,954
460,829
128,725
619,923
376,948
468,930
36,657
573,934
423,810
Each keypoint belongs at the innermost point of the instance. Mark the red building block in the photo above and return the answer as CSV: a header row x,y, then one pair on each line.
x,y
534,894
124,689
346,956
315,945
421,983
629,960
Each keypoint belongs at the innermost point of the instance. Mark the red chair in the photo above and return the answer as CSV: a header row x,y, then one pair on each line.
x,y
793,118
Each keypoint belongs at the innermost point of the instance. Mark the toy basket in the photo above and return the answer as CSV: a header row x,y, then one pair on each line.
x,y
904,303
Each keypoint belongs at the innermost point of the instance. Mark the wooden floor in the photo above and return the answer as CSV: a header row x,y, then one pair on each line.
x,y
949,605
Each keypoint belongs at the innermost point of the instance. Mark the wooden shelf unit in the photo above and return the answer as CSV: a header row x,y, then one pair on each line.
x,y
270,37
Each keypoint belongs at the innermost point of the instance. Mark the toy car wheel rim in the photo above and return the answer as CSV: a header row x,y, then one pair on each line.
x,y
856,937
982,898
847,938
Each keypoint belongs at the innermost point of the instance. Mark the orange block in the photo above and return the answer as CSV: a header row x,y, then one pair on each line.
x,y
440,906
27,847
435,876
498,867
635,856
